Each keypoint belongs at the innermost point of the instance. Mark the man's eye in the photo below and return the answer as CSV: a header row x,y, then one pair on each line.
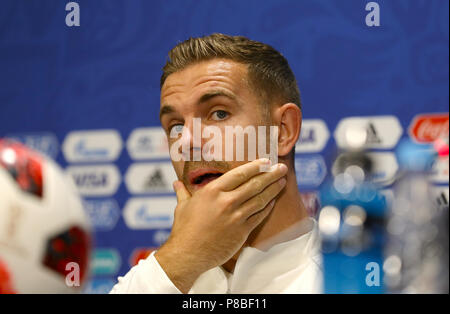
x,y
178,128
219,115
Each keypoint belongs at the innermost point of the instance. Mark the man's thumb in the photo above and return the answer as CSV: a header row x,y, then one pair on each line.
x,y
182,193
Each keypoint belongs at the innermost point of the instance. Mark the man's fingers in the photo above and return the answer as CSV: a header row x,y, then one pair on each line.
x,y
260,201
235,177
254,220
258,183
181,191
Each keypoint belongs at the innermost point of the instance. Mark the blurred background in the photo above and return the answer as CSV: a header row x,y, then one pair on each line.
x,y
374,135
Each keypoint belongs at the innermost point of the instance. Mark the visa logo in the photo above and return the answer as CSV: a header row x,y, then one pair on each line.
x,y
95,180
91,179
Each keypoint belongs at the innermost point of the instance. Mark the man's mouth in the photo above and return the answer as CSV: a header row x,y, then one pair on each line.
x,y
200,177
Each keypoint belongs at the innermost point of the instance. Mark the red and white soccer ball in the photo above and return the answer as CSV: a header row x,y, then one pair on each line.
x,y
44,232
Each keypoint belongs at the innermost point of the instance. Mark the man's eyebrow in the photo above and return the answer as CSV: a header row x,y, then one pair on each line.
x,y
216,93
165,109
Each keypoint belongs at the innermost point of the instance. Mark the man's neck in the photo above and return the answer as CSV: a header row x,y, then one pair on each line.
x,y
289,210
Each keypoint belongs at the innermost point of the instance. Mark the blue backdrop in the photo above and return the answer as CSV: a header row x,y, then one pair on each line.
x,y
104,75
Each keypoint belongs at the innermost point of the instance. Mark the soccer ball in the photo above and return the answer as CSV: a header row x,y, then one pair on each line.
x,y
44,232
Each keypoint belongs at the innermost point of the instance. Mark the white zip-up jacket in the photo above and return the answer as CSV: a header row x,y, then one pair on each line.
x,y
289,267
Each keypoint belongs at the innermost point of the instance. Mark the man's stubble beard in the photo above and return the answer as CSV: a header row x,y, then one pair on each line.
x,y
265,119
189,166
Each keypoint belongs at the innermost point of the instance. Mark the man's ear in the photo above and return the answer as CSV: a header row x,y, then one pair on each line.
x,y
289,119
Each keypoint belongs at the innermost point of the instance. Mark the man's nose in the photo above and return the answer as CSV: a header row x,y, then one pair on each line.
x,y
191,139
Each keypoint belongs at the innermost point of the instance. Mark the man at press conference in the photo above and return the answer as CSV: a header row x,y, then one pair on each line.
x,y
237,229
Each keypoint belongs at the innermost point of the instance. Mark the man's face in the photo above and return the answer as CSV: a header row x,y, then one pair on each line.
x,y
217,93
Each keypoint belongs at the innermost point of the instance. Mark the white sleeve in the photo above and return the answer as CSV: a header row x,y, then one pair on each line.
x,y
146,277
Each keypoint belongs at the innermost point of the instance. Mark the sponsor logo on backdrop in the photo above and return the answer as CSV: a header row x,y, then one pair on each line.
x,y
92,146
313,137
385,168
440,170
441,197
150,178
99,286
148,143
43,142
103,214
311,202
140,254
149,212
95,180
105,262
388,196
382,132
426,128
311,171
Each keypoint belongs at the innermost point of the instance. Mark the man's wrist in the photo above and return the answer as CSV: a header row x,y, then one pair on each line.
x,y
178,268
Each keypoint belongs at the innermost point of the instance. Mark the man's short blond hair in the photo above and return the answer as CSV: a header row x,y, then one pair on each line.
x,y
269,74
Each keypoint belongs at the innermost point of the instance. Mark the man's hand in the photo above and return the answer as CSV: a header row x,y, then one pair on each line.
x,y
211,226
